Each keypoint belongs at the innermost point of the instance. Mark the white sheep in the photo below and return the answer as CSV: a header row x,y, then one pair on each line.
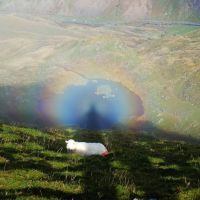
x,y
87,149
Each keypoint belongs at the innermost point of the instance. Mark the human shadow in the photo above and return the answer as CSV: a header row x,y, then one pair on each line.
x,y
93,120
37,106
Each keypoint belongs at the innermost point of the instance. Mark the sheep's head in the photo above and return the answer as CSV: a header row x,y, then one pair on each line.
x,y
71,144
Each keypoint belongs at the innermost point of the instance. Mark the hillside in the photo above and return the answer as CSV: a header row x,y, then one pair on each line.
x,y
41,59
125,73
34,164
123,10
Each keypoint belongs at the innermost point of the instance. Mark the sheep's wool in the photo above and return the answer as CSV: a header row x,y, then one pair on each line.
x,y
85,148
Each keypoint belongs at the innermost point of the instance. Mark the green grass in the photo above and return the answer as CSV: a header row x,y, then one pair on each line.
x,y
181,30
174,10
36,165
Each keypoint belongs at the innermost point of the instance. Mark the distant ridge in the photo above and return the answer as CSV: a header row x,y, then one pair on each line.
x,y
126,10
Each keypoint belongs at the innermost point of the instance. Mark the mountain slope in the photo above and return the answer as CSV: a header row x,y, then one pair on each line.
x,y
40,59
128,10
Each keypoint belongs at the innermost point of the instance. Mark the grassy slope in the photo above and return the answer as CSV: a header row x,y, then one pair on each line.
x,y
175,79
36,165
175,10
